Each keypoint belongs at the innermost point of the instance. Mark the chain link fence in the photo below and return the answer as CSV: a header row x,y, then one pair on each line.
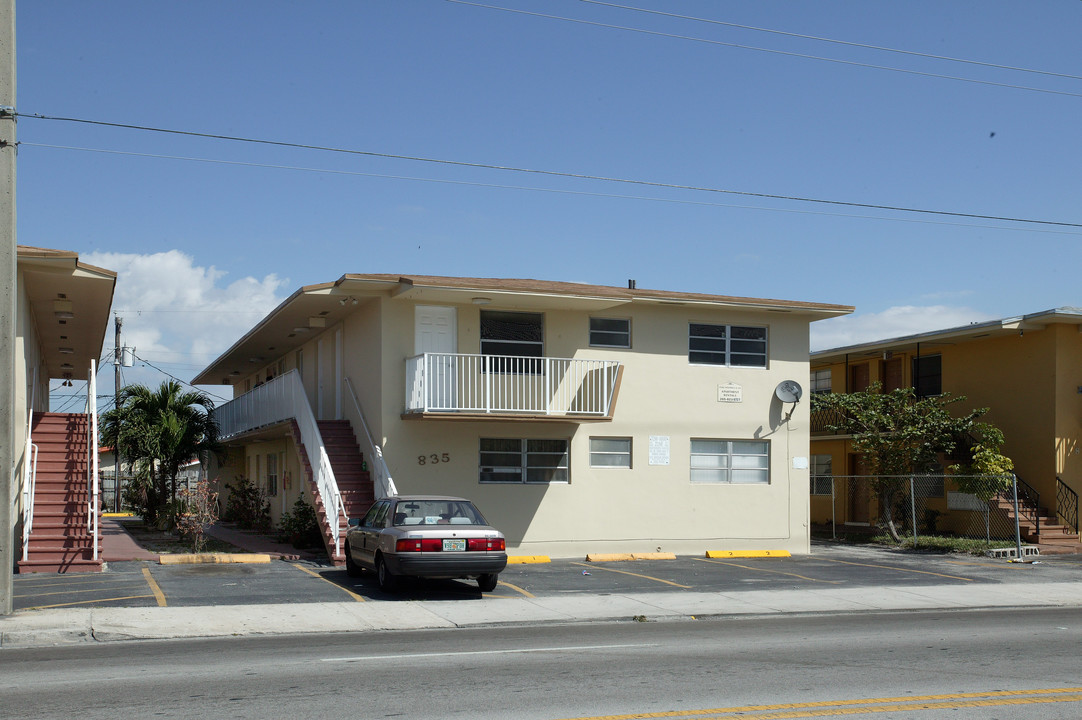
x,y
980,508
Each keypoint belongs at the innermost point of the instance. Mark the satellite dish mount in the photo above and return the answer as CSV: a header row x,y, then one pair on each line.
x,y
789,391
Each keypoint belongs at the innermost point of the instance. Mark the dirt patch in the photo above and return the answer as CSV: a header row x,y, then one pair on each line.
x,y
167,542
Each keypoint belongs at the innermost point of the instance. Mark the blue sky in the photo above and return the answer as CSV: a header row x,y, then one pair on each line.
x,y
205,248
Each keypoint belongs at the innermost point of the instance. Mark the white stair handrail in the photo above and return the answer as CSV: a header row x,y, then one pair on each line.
x,y
30,476
382,481
92,456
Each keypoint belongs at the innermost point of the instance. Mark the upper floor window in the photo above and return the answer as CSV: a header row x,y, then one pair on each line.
x,y
512,335
732,345
820,381
610,332
928,375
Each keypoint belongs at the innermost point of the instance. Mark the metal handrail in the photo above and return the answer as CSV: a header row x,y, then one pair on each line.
x,y
279,400
30,478
1067,505
381,474
473,383
92,456
1029,502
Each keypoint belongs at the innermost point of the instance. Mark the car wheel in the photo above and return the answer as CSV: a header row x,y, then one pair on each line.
x,y
387,581
352,568
487,583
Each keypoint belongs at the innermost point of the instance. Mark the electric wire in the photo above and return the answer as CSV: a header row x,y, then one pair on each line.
x,y
549,173
174,377
787,53
835,41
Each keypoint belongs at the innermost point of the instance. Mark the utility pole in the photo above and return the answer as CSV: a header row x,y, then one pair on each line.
x,y
117,359
8,279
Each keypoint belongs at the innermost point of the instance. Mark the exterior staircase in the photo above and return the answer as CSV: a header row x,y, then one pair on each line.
x,y
354,480
1052,534
60,540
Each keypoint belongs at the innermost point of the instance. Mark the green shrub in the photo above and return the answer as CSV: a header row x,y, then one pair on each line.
x,y
301,525
247,506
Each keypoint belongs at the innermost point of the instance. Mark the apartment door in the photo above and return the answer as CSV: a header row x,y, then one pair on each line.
x,y
859,378
436,331
858,505
892,374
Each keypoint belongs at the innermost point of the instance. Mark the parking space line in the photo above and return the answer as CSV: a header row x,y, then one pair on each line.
x,y
894,567
595,566
75,592
352,594
158,594
516,588
88,602
774,572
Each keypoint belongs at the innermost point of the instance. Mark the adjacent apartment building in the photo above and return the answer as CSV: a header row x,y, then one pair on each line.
x,y
578,417
1027,370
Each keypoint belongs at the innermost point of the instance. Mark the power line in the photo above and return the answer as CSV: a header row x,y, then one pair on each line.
x,y
786,53
531,171
182,382
835,41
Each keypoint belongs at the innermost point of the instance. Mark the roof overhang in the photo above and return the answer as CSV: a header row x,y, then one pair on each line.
x,y
70,302
314,307
952,336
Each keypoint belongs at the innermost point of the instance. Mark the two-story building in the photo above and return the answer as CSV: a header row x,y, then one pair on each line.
x,y
579,418
1027,370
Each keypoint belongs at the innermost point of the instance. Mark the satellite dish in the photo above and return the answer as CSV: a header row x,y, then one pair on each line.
x,y
789,391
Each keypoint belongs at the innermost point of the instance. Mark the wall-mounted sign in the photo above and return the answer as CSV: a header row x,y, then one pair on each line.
x,y
659,449
730,393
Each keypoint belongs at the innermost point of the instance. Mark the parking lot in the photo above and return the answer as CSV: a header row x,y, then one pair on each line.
x,y
145,584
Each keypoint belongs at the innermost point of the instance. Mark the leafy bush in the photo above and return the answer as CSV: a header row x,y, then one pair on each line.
x,y
301,525
248,506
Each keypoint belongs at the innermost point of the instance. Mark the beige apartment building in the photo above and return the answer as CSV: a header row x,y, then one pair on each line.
x,y
579,418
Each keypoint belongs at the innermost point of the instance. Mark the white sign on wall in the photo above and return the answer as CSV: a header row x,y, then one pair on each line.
x,y
730,393
659,449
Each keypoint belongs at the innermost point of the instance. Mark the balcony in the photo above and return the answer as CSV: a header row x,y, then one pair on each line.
x,y
501,386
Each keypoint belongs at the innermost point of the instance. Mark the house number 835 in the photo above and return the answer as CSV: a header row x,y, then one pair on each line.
x,y
433,459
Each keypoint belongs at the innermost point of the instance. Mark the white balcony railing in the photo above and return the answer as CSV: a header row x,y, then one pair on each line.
x,y
278,400
459,383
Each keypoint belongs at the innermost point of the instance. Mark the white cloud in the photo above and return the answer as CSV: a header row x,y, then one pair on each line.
x,y
891,323
177,315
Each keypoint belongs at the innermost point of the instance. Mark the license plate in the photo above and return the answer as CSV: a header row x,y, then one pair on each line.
x,y
457,545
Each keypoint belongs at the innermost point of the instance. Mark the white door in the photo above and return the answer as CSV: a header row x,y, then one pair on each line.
x,y
436,331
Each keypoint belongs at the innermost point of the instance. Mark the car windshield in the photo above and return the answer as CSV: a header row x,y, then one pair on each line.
x,y
437,512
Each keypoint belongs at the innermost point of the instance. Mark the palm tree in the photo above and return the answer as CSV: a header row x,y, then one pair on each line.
x,y
160,431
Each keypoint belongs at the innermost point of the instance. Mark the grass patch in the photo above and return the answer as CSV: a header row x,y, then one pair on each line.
x,y
923,543
168,542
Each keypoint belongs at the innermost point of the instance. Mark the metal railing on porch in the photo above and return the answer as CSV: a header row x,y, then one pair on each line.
x,y
1066,505
464,383
279,400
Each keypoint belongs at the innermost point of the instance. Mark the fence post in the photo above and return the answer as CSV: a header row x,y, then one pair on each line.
x,y
833,511
1017,528
913,508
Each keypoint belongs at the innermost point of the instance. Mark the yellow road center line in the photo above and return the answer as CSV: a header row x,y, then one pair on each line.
x,y
594,566
895,567
775,572
352,594
995,694
516,588
158,594
89,602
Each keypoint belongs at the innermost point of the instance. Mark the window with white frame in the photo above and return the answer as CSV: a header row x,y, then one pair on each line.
x,y
730,461
524,460
272,474
820,381
610,332
822,471
610,452
730,345
517,337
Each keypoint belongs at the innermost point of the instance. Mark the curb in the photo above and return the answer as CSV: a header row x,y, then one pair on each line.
x,y
214,558
747,553
620,557
527,559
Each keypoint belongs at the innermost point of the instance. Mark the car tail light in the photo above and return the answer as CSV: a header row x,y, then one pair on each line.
x,y
418,545
496,544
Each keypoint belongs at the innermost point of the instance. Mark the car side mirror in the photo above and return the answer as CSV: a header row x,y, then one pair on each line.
x,y
354,522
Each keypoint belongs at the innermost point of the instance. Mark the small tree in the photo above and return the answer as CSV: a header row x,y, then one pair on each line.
x,y
198,510
899,434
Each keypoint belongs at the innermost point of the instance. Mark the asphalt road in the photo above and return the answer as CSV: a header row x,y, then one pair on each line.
x,y
139,584
964,665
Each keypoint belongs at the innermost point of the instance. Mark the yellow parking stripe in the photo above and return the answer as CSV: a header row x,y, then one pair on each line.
x,y
158,594
894,567
775,572
75,592
625,572
516,588
352,594
88,602
868,705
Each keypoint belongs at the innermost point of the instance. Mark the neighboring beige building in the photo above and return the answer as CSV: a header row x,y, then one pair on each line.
x,y
579,418
1027,370
62,313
